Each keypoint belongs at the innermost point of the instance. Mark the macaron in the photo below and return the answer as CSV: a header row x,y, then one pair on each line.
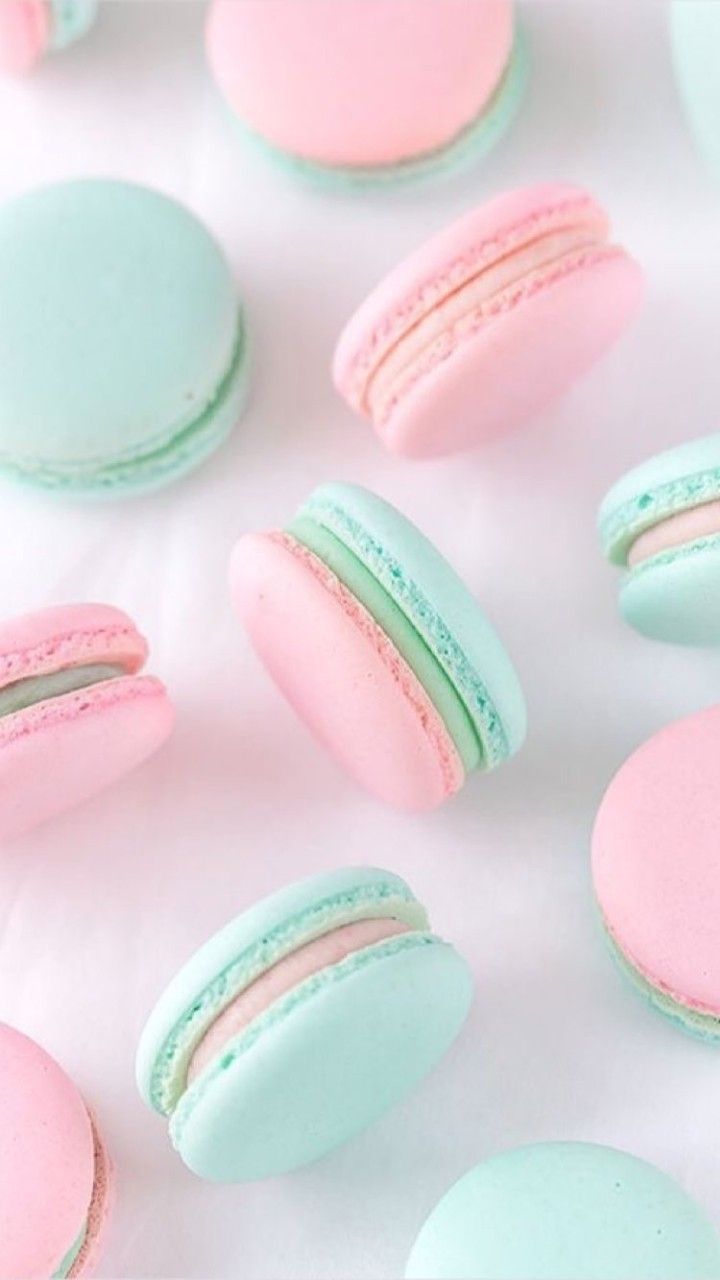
x,y
56,1179
661,524
122,345
300,1023
565,1211
368,90
30,29
488,322
75,712
695,35
656,871
379,647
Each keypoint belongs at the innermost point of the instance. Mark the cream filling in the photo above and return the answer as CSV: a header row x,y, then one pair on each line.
x,y
471,297
25,693
676,531
329,949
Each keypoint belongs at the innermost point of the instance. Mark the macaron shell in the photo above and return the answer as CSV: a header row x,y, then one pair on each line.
x,y
24,34
513,364
64,750
100,1212
695,31
324,1067
46,1160
675,597
655,860
565,1211
68,636
362,83
342,674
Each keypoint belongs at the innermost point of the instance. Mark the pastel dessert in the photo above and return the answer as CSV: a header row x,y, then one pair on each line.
x,y
565,1211
695,35
76,714
488,322
661,524
56,1179
122,358
656,871
368,90
379,647
30,29
300,1023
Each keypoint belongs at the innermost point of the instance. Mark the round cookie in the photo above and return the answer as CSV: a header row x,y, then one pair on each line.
x,y
56,1181
122,351
565,1211
368,90
300,1023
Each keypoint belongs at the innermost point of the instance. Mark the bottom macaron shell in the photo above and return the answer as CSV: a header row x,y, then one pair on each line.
x,y
515,362
320,1069
342,675
676,596
65,750
101,1207
24,34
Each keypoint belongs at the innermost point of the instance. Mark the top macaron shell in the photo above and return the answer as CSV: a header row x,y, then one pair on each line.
x,y
565,1211
695,32
66,748
321,1063
655,861
362,83
673,595
500,364
46,1160
120,341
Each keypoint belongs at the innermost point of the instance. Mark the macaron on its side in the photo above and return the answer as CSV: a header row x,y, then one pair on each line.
x,y
364,92
123,360
300,1023
655,872
565,1210
51,1178
75,712
661,524
25,35
488,322
695,36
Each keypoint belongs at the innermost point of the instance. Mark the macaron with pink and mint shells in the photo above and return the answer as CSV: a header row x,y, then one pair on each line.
x,y
56,1178
489,322
76,710
31,29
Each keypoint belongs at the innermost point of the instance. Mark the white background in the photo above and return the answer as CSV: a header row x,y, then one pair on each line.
x,y
97,909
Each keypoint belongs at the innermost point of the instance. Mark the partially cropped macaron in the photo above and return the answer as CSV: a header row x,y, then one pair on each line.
x,y
368,90
300,1023
30,29
122,344
379,647
695,33
566,1211
656,871
76,711
661,524
56,1179
489,322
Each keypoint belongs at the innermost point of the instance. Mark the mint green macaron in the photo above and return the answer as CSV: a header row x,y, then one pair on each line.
x,y
300,1023
661,524
122,345
695,35
565,1211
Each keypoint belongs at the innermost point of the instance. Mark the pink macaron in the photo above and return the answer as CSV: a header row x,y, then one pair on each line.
x,y
656,871
56,1180
489,322
368,89
75,712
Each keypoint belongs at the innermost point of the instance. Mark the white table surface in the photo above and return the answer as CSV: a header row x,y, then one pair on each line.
x,y
98,909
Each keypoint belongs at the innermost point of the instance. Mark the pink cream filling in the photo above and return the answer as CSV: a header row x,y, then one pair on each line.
x,y
686,526
289,972
471,299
